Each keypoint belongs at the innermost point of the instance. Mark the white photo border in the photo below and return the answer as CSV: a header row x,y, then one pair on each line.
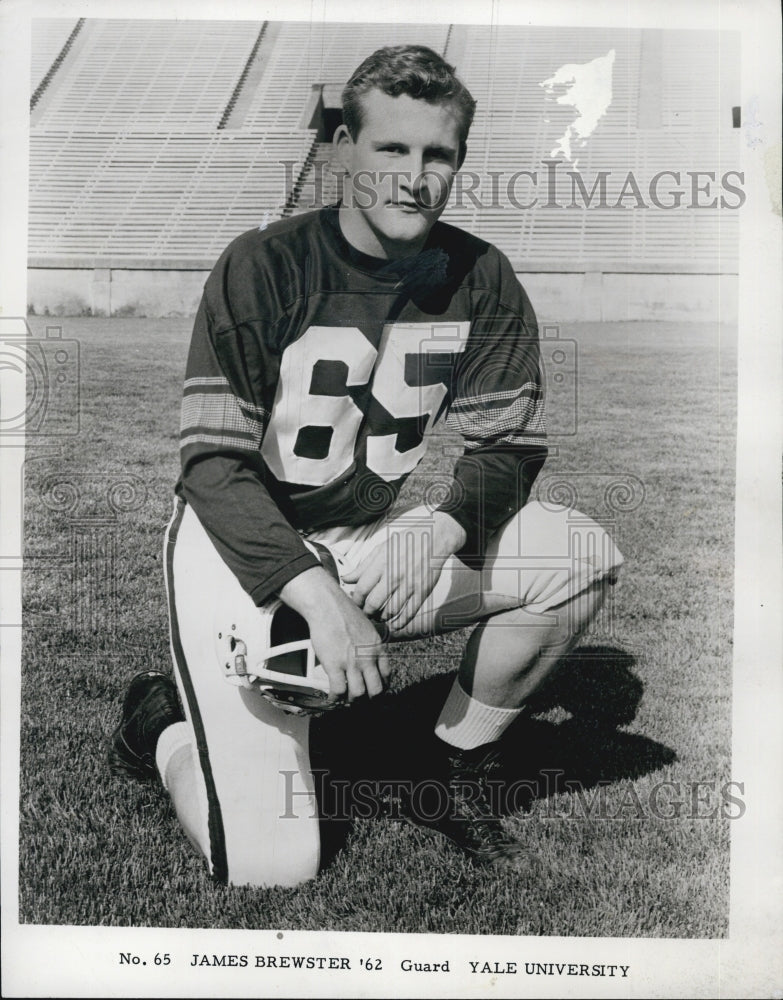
x,y
82,961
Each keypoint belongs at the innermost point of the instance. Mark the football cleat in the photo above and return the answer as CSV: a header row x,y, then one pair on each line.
x,y
269,649
151,704
466,816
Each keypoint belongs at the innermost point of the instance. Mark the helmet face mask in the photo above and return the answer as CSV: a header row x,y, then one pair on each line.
x,y
291,667
268,649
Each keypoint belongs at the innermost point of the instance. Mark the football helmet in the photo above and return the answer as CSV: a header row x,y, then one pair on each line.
x,y
269,650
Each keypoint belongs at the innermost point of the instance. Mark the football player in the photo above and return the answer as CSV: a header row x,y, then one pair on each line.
x,y
325,348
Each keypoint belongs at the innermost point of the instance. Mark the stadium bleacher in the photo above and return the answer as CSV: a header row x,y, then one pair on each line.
x,y
49,36
307,53
517,126
137,74
174,195
161,140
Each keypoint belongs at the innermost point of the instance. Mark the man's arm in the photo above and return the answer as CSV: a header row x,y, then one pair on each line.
x,y
223,420
497,406
222,475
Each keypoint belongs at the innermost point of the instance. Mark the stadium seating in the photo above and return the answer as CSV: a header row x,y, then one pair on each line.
x,y
168,195
130,75
518,125
307,53
49,37
161,140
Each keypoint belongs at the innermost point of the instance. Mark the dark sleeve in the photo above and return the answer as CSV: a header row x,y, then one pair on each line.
x,y
497,405
223,419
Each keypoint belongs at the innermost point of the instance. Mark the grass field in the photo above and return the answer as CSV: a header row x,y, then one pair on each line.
x,y
611,849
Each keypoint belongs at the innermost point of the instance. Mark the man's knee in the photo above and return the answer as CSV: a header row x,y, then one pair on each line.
x,y
540,531
546,554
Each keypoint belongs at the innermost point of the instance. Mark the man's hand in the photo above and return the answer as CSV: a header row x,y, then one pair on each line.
x,y
345,641
398,575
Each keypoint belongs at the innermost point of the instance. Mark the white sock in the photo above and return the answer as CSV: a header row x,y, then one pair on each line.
x,y
171,740
467,723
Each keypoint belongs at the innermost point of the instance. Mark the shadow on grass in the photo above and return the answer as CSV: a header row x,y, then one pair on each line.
x,y
382,742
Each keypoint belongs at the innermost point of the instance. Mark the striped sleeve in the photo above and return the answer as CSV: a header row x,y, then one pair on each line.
x,y
511,416
497,405
222,475
213,415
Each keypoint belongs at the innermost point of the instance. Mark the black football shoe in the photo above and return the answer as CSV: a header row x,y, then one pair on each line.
x,y
151,704
466,813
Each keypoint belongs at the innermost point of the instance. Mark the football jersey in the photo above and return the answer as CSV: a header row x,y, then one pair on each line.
x,y
316,373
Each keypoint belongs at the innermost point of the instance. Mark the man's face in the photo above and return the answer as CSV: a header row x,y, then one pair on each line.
x,y
401,167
